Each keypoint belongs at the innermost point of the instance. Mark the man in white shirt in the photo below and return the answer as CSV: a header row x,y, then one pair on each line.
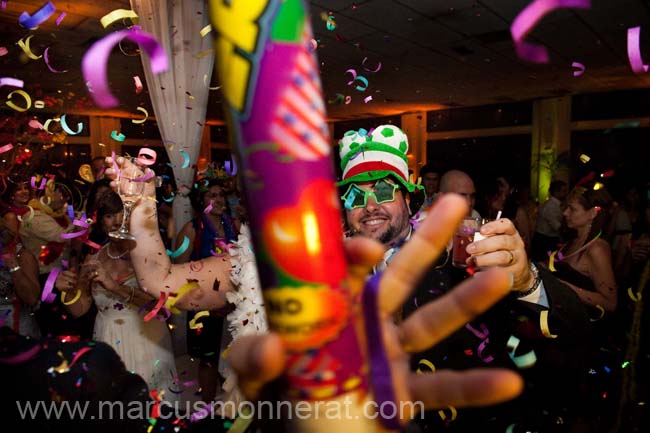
x,y
549,221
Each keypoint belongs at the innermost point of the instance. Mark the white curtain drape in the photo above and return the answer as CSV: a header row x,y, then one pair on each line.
x,y
179,95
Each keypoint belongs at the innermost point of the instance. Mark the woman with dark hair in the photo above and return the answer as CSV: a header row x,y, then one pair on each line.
x,y
108,281
16,197
210,230
584,262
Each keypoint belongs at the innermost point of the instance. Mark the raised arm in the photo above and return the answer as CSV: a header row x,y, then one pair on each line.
x,y
153,267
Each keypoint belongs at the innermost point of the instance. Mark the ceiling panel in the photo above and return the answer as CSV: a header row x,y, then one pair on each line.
x,y
474,21
435,9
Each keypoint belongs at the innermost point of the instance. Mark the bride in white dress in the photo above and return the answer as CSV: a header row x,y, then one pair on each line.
x,y
108,279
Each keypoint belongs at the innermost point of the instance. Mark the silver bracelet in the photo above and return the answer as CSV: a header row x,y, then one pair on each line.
x,y
536,282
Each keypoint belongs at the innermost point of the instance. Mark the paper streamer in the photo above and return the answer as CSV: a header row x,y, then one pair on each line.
x,y
581,69
193,324
363,65
41,186
453,414
180,292
95,60
208,208
481,348
6,148
3,51
67,129
186,159
205,30
380,372
24,45
28,101
551,261
14,82
543,324
73,300
150,315
46,58
40,16
117,136
528,18
634,50
46,125
138,84
367,99
60,18
116,15
602,314
180,250
39,104
147,156
524,361
427,364
47,295
636,297
146,116
231,169
21,357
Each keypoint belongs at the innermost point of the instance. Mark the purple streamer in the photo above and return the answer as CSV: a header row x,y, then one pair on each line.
x,y
529,17
634,50
95,61
230,170
380,374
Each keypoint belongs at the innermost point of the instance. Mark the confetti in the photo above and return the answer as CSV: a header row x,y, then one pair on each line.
x,y
523,361
6,148
426,363
13,82
138,84
543,324
186,159
146,116
40,16
180,250
60,18
367,99
193,324
634,50
150,315
95,61
636,297
231,169
67,129
46,58
118,14
3,51
581,69
117,136
443,415
205,30
24,45
25,95
47,295
529,17
602,313
584,158
363,65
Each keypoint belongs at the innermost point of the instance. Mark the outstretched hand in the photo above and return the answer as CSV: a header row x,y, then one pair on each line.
x,y
261,358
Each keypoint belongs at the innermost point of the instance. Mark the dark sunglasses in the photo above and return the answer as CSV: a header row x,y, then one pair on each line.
x,y
356,197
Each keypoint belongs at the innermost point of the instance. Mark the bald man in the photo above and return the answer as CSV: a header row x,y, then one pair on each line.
x,y
459,182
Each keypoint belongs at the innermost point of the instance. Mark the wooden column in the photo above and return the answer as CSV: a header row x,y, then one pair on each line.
x,y
414,126
551,136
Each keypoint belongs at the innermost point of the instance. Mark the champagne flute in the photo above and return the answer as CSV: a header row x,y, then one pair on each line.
x,y
130,190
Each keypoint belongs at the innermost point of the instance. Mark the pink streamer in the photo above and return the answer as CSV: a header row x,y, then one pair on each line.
x,y
6,148
529,17
581,69
60,18
14,82
634,50
95,61
21,357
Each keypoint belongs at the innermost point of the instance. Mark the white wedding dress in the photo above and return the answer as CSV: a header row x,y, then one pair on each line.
x,y
145,347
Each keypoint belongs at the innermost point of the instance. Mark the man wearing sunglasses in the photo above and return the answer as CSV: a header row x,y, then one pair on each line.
x,y
375,196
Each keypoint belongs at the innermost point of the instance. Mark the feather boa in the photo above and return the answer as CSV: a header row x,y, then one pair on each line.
x,y
248,316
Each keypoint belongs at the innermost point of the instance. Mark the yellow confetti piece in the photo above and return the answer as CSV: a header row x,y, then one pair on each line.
x,y
636,297
24,45
182,290
118,14
352,383
28,101
63,367
584,158
46,125
543,324
602,313
146,116
31,215
204,53
443,415
426,363
205,30
551,261
193,324
73,300
39,104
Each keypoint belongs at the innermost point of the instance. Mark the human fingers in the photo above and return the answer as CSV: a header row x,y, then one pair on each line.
x,y
437,319
415,257
476,387
500,226
257,360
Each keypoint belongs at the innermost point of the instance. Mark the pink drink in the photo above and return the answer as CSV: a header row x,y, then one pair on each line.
x,y
464,235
